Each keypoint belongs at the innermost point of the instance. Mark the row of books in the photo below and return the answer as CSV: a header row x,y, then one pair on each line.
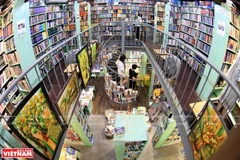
x,y
174,34
2,62
175,21
55,30
187,38
9,45
53,8
202,11
4,77
54,23
40,47
205,28
8,31
46,67
190,16
2,47
175,9
189,23
37,19
12,58
37,28
232,44
1,34
56,38
39,37
37,10
205,48
8,18
207,20
69,21
225,68
70,27
206,38
204,4
234,19
229,57
192,61
233,32
175,15
16,70
173,27
193,32
54,15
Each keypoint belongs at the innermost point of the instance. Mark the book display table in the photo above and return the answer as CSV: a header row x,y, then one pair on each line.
x,y
129,145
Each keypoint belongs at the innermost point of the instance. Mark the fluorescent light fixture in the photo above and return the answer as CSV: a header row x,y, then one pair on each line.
x,y
56,1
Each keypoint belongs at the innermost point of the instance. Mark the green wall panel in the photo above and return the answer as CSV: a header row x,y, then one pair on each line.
x,y
24,43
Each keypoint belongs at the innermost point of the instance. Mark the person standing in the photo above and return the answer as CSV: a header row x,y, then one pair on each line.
x,y
121,69
139,22
133,76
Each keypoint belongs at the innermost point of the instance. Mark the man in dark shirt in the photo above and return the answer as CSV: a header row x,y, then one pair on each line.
x,y
133,76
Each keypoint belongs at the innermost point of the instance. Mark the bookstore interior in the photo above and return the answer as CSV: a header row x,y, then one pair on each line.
x,y
119,79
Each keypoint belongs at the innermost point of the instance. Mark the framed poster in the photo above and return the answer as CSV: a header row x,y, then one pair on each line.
x,y
36,123
83,64
207,135
67,99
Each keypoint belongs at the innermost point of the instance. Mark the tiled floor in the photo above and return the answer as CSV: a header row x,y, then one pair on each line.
x,y
103,148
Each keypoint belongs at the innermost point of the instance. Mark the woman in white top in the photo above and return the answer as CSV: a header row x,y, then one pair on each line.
x,y
139,21
121,69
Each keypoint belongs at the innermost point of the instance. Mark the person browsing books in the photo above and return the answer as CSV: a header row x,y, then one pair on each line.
x,y
158,91
133,76
121,70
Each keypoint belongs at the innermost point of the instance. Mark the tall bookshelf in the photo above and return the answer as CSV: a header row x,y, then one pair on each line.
x,y
85,20
197,31
10,67
159,15
233,42
122,10
69,20
174,22
46,28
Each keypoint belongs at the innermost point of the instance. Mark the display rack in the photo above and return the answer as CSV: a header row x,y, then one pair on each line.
x,y
85,100
164,133
117,93
131,143
79,123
